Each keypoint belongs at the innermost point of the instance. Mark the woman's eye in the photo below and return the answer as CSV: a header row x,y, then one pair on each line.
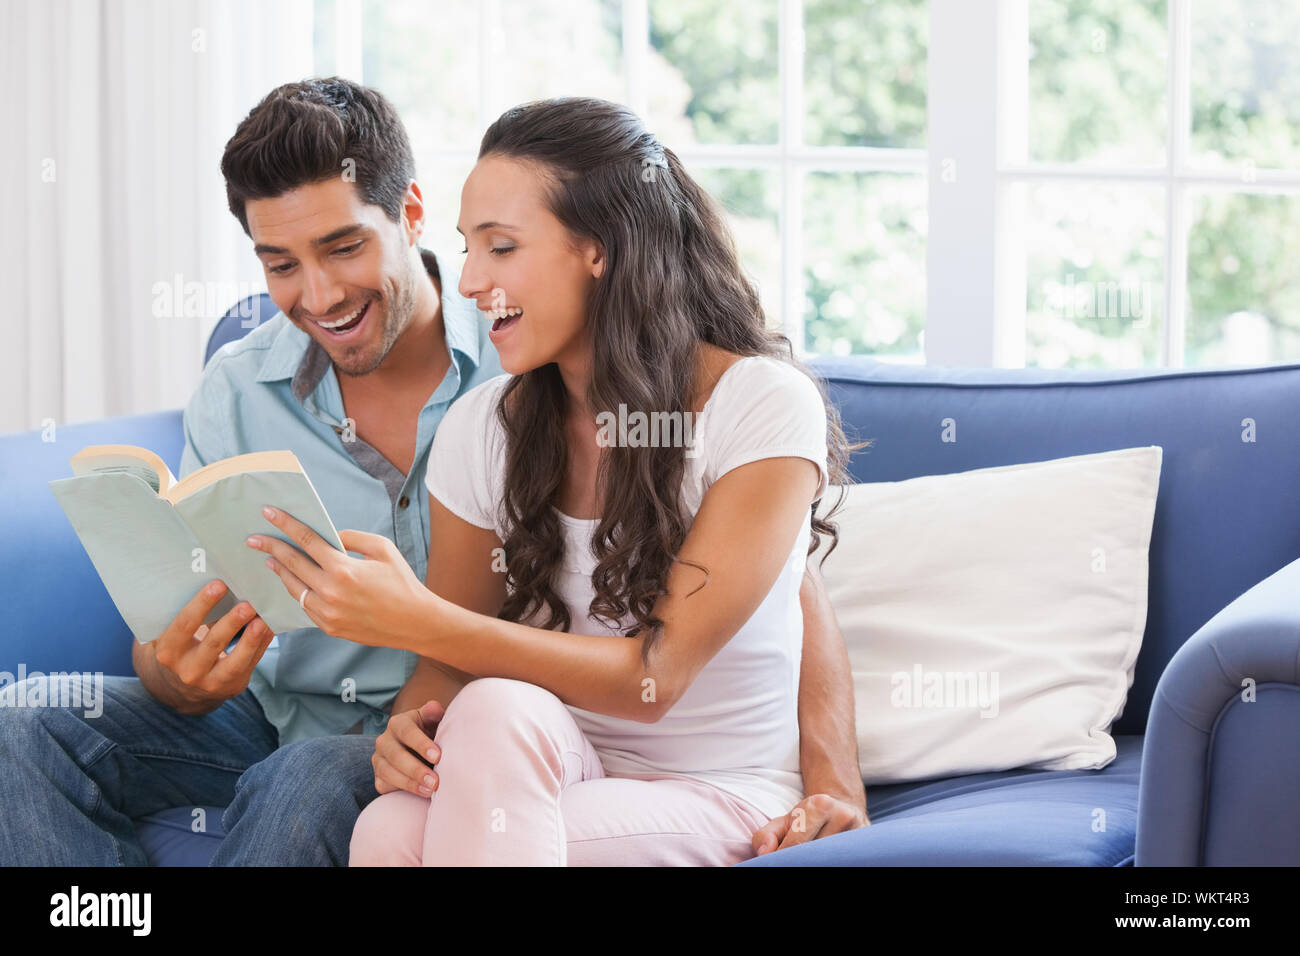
x,y
464,252
502,251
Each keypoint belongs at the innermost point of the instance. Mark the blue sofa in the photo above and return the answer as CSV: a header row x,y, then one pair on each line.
x,y
1202,777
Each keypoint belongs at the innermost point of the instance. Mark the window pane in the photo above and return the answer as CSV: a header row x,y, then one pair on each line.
x,y
1243,300
713,72
865,72
1095,276
409,56
1097,81
864,264
1246,83
559,48
751,198
440,184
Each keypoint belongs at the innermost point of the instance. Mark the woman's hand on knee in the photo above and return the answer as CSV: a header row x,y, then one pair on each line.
x,y
405,752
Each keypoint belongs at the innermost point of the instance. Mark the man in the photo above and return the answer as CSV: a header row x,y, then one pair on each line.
x,y
372,345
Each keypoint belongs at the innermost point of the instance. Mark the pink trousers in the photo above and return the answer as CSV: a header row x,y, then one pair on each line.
x,y
519,784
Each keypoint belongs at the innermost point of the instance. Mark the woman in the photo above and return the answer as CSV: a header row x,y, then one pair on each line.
x,y
647,471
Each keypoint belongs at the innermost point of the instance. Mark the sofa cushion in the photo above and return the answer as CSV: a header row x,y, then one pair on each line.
x,y
1228,437
993,617
1012,818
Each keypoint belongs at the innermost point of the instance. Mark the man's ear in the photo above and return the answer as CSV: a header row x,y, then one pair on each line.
x,y
413,213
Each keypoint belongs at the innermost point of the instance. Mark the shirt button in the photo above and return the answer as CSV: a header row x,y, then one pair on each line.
x,y
403,501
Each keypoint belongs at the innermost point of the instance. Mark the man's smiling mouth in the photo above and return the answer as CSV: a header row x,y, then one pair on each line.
x,y
346,323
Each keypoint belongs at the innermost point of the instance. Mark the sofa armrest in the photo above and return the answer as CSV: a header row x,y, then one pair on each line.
x,y
1221,761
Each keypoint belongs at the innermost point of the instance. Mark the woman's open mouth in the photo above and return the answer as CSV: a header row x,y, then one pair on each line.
x,y
347,326
503,320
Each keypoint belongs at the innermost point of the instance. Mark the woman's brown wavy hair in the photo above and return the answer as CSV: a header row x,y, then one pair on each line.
x,y
672,280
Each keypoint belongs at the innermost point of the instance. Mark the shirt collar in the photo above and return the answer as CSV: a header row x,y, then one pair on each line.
x,y
295,354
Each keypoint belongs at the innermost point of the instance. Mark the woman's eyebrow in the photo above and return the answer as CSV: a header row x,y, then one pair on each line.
x,y
490,225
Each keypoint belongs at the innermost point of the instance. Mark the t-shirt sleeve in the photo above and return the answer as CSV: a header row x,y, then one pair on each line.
x,y
768,409
467,456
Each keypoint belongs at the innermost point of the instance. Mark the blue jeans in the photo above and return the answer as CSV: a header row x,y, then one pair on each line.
x,y
71,785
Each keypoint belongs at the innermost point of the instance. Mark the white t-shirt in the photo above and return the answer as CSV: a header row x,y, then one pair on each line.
x,y
737,725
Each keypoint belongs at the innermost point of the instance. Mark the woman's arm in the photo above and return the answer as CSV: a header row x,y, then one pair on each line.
x,y
461,559
743,534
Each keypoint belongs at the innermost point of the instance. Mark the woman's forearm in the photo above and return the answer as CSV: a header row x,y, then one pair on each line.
x,y
599,674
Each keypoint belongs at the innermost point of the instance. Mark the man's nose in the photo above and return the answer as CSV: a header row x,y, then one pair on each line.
x,y
320,294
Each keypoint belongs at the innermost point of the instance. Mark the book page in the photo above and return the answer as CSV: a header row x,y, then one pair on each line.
x,y
253,461
131,459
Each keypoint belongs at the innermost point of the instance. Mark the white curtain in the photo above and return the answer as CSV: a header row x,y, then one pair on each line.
x,y
115,116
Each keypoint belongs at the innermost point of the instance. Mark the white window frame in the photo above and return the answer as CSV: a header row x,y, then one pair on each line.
x,y
974,163
789,156
979,80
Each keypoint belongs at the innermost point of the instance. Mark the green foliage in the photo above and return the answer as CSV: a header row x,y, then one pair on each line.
x,y
1097,94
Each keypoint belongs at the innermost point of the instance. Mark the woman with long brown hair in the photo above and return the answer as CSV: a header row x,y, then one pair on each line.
x,y
618,527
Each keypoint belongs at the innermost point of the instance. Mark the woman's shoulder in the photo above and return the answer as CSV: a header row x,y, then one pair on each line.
x,y
762,380
478,404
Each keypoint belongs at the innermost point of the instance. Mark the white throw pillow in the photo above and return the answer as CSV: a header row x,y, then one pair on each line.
x,y
993,617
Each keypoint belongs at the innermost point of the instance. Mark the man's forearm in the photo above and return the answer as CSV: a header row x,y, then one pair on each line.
x,y
429,682
828,739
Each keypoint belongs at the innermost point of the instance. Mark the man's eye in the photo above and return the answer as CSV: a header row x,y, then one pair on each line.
x,y
346,250
279,270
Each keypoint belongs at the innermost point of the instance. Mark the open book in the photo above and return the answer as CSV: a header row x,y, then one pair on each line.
x,y
156,541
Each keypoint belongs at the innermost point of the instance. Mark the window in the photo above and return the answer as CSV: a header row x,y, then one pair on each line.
x,y
818,160
1105,183
1157,179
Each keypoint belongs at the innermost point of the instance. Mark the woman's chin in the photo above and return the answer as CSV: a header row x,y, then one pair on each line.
x,y
517,365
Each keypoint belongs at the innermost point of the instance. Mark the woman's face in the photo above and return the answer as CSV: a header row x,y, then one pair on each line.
x,y
522,268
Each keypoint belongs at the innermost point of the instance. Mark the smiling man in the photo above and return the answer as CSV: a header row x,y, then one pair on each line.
x,y
294,732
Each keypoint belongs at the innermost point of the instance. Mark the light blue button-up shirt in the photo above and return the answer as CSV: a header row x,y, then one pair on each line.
x,y
277,388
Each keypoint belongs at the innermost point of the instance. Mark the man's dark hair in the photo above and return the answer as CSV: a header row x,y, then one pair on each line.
x,y
302,133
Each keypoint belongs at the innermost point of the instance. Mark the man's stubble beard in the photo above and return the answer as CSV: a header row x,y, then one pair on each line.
x,y
396,319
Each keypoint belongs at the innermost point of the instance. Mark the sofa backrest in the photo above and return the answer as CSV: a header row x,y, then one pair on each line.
x,y
58,617
1228,510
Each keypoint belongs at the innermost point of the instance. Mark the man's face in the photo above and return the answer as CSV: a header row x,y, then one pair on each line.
x,y
333,260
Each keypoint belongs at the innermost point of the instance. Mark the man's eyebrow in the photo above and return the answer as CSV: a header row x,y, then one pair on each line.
x,y
334,236
490,225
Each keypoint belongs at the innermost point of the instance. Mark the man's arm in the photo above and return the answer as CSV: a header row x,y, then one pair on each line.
x,y
834,798
429,681
828,738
